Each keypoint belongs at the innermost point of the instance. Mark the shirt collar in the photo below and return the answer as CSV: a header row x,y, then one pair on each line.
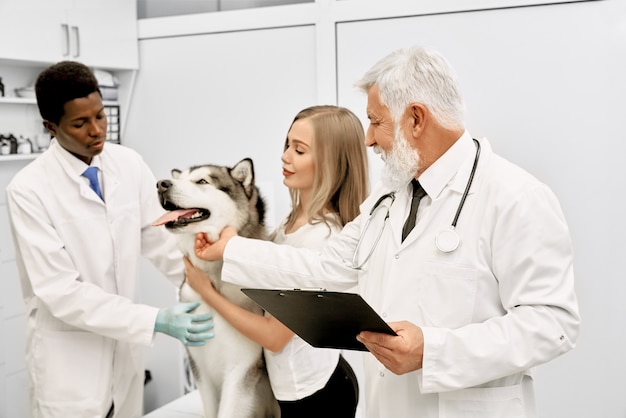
x,y
442,172
74,165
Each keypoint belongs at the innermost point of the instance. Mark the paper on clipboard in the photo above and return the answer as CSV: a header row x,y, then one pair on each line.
x,y
323,319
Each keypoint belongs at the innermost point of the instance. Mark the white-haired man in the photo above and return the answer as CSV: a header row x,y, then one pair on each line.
x,y
476,279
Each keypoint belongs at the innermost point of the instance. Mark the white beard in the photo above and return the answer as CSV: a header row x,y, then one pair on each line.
x,y
401,164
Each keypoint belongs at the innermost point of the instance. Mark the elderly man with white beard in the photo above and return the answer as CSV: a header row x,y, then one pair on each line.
x,y
467,256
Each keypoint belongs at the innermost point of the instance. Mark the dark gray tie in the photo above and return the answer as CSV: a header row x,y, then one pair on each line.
x,y
418,193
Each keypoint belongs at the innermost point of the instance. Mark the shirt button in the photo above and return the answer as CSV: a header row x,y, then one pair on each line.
x,y
381,374
384,315
397,256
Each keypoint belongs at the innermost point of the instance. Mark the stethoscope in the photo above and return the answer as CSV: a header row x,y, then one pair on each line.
x,y
446,241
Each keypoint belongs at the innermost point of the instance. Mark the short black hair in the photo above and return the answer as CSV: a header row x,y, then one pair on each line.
x,y
60,83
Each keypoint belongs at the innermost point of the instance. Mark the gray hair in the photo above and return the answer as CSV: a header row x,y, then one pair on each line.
x,y
417,75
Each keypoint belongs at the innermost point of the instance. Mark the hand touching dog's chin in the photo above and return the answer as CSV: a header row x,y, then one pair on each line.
x,y
212,232
187,236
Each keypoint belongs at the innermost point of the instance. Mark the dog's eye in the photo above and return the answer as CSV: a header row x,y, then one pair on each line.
x,y
202,181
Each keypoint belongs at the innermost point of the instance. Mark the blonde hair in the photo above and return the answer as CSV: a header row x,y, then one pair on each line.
x,y
340,181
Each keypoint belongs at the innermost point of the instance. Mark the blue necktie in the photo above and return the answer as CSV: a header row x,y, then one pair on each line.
x,y
92,174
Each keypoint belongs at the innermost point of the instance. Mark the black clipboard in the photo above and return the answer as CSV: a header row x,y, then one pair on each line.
x,y
323,319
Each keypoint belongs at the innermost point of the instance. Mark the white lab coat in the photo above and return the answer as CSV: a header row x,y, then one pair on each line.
x,y
490,311
78,263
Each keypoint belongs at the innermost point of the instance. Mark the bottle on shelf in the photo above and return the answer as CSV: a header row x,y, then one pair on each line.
x,y
5,145
24,146
13,143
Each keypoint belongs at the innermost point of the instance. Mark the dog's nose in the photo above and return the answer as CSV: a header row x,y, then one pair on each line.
x,y
163,185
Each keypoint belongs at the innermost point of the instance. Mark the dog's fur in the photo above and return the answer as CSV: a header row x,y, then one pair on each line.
x,y
229,369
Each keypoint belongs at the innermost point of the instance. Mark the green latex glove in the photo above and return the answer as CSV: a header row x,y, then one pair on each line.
x,y
177,322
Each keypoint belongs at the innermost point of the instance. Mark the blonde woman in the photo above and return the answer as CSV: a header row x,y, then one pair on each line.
x,y
324,166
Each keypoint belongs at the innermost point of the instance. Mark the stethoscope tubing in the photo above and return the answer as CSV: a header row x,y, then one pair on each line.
x,y
469,184
446,241
355,265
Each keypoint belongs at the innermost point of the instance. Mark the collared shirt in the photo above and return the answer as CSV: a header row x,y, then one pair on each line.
x,y
439,175
77,166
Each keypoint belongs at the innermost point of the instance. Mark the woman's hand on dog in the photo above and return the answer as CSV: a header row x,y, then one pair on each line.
x,y
212,251
196,278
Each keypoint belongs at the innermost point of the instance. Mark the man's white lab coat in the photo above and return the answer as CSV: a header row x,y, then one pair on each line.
x,y
491,310
78,262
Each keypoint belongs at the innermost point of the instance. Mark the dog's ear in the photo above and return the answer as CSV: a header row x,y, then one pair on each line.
x,y
175,173
243,172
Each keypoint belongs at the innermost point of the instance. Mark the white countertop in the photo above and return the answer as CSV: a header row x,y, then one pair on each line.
x,y
188,406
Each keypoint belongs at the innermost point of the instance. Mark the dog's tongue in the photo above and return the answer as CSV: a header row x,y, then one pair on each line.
x,y
173,216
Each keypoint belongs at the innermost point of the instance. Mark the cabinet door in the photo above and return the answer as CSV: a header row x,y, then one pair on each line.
x,y
98,33
103,33
34,30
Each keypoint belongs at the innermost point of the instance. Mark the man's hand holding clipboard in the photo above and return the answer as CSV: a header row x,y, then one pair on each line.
x,y
345,321
402,353
323,319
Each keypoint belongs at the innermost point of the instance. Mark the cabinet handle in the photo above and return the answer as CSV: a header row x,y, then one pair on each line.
x,y
66,30
77,36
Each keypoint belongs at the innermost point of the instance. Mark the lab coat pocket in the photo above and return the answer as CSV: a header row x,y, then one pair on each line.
x,y
447,294
70,367
498,402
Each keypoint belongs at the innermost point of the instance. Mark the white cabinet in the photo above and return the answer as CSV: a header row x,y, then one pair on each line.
x,y
98,33
102,34
31,30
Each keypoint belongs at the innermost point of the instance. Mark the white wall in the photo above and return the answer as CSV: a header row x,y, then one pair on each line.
x,y
220,98
544,83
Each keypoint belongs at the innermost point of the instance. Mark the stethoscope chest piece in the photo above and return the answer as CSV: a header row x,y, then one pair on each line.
x,y
447,240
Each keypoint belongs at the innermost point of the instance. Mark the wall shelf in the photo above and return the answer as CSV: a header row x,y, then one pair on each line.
x,y
33,101
19,157
18,100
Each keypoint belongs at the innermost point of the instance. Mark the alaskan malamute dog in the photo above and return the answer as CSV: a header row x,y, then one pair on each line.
x,y
229,369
